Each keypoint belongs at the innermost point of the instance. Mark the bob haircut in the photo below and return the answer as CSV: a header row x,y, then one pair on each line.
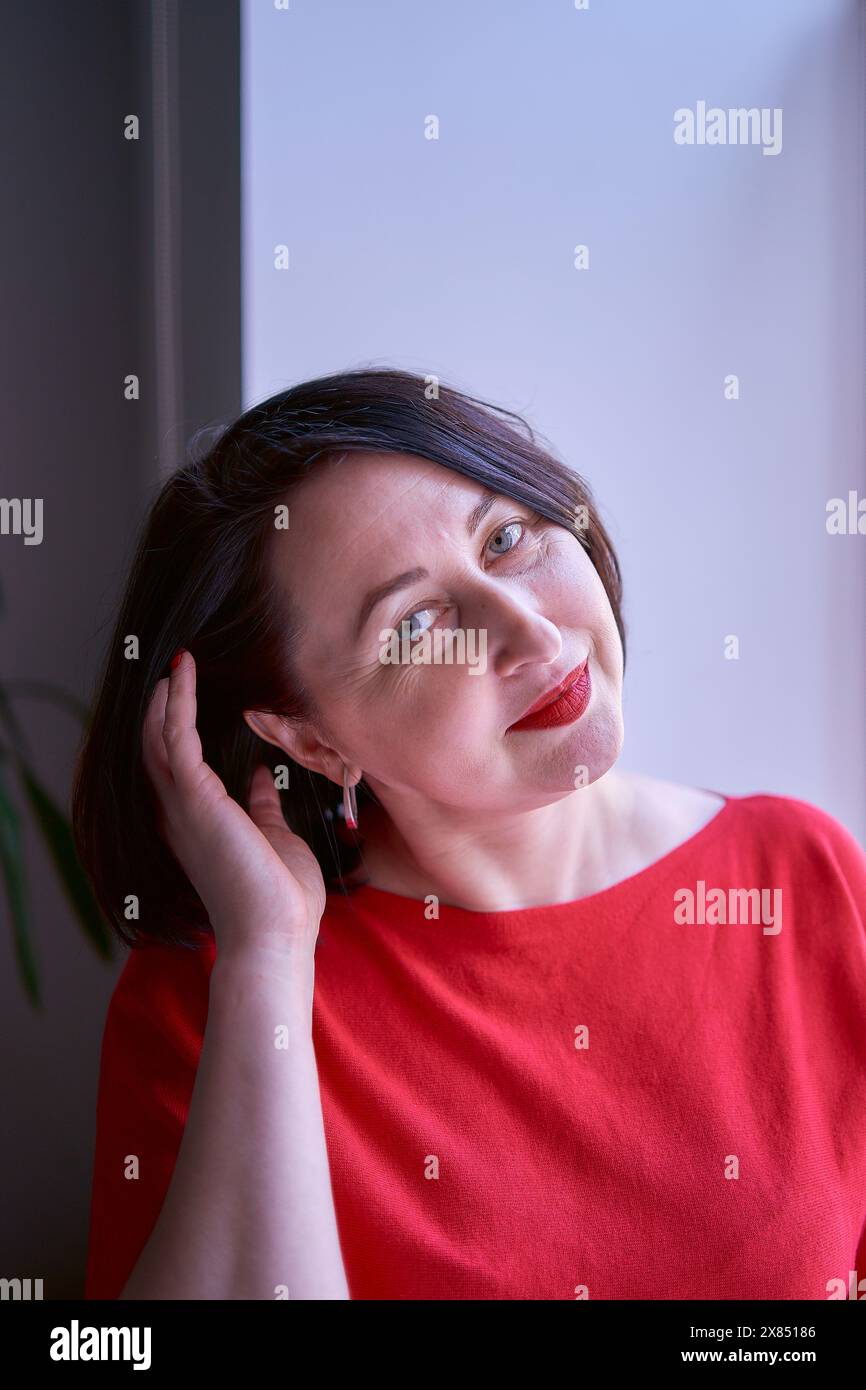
x,y
199,580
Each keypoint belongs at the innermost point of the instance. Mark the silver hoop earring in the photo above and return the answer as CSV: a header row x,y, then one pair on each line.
x,y
350,805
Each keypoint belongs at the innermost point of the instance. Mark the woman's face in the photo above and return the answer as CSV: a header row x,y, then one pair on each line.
x,y
520,589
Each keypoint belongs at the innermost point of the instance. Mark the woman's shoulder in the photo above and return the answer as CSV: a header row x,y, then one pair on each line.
x,y
771,822
775,827
791,823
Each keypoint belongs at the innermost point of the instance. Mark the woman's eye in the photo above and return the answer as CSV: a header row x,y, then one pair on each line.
x,y
419,612
431,613
503,530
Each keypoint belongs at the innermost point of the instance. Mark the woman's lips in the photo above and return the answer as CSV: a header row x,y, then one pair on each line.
x,y
568,706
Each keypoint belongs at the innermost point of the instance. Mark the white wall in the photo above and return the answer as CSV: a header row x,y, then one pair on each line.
x,y
455,256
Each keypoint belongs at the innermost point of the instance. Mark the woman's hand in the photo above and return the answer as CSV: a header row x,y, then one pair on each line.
x,y
260,883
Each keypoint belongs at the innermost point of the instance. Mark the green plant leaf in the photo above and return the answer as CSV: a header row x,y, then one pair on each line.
x,y
57,834
12,862
7,714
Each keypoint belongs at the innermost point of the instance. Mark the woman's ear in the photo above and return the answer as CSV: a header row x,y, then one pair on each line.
x,y
300,742
266,726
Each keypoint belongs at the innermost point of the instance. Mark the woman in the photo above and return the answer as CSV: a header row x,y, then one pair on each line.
x,y
428,998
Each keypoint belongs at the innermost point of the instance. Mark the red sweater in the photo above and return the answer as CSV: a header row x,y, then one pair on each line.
x,y
612,1098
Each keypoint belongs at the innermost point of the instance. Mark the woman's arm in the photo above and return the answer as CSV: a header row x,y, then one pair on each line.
x,y
249,1212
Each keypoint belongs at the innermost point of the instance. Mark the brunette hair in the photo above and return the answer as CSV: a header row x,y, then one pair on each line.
x,y
200,580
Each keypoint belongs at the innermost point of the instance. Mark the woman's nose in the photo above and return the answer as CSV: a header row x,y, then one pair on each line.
x,y
517,634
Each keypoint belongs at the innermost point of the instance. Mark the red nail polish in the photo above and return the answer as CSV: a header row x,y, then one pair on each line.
x,y
175,660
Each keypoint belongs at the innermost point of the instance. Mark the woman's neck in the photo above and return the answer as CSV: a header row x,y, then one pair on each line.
x,y
556,853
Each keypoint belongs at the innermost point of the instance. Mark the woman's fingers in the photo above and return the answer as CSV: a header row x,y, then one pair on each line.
x,y
153,750
179,733
264,800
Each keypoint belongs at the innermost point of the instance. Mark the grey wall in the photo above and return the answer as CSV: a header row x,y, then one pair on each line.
x,y
454,256
77,258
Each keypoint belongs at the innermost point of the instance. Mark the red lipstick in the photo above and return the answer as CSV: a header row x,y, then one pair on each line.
x,y
564,704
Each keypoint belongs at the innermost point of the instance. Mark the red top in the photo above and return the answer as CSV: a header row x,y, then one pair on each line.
x,y
595,1099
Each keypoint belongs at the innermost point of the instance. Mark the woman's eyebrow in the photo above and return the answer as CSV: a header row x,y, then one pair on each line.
x,y
402,581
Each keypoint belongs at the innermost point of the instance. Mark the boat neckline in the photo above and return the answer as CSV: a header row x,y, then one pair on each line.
x,y
364,893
